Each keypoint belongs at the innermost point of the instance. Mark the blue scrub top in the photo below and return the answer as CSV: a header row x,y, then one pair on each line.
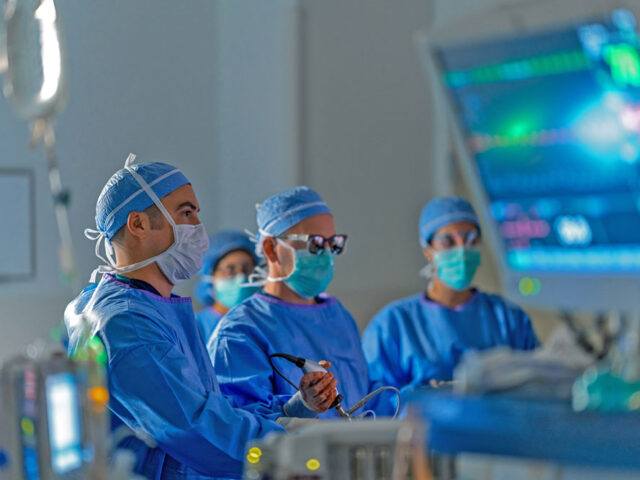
x,y
161,381
264,325
414,340
207,320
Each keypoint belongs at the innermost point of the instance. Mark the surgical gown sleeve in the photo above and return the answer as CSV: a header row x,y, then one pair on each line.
x,y
246,375
156,386
523,336
380,343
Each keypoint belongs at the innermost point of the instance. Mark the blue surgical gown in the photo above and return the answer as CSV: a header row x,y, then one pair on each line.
x,y
162,382
208,319
414,340
264,325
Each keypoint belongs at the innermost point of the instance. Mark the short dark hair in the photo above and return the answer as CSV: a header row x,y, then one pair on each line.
x,y
155,217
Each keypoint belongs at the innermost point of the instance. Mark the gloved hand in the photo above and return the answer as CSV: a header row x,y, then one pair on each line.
x,y
318,389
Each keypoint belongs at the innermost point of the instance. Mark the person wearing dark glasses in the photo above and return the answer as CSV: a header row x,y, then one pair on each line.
x,y
292,315
419,340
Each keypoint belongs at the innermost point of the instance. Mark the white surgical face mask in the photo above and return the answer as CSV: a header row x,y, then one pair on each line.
x,y
184,258
179,262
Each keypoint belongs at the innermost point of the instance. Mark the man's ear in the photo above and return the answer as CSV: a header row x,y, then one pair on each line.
x,y
269,249
138,225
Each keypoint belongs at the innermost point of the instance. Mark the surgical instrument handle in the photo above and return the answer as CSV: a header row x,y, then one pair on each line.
x,y
311,366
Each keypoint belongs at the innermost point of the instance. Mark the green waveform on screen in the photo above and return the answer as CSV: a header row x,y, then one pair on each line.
x,y
544,65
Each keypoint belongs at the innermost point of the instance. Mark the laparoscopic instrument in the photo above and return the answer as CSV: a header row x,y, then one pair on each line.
x,y
310,366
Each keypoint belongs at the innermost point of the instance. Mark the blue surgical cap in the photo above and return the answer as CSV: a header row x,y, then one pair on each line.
x,y
444,211
220,245
123,194
282,211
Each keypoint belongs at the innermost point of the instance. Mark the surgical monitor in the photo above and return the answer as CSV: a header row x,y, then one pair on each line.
x,y
547,126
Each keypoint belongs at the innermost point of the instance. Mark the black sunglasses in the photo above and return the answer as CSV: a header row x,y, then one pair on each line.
x,y
318,243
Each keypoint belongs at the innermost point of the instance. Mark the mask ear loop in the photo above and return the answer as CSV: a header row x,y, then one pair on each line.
x,y
257,279
100,239
260,275
293,253
252,236
427,271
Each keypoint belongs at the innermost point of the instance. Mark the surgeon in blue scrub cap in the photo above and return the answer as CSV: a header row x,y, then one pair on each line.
x,y
419,340
292,315
230,260
161,379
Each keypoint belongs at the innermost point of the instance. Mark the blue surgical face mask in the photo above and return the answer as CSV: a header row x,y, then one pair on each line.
x,y
311,274
456,267
230,292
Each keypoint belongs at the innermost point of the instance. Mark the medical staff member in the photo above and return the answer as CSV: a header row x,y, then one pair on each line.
x,y
420,339
292,314
160,376
230,260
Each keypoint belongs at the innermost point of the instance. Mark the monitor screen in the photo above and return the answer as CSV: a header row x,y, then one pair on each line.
x,y
551,124
64,418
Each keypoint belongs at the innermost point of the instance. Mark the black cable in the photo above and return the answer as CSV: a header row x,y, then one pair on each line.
x,y
299,362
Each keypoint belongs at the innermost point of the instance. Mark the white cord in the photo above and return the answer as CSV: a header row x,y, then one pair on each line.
x,y
367,398
367,414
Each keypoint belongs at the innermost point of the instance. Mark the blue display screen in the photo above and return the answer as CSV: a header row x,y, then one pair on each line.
x,y
552,124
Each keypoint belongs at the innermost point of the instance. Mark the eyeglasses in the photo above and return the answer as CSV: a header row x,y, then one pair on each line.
x,y
318,243
445,241
234,269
